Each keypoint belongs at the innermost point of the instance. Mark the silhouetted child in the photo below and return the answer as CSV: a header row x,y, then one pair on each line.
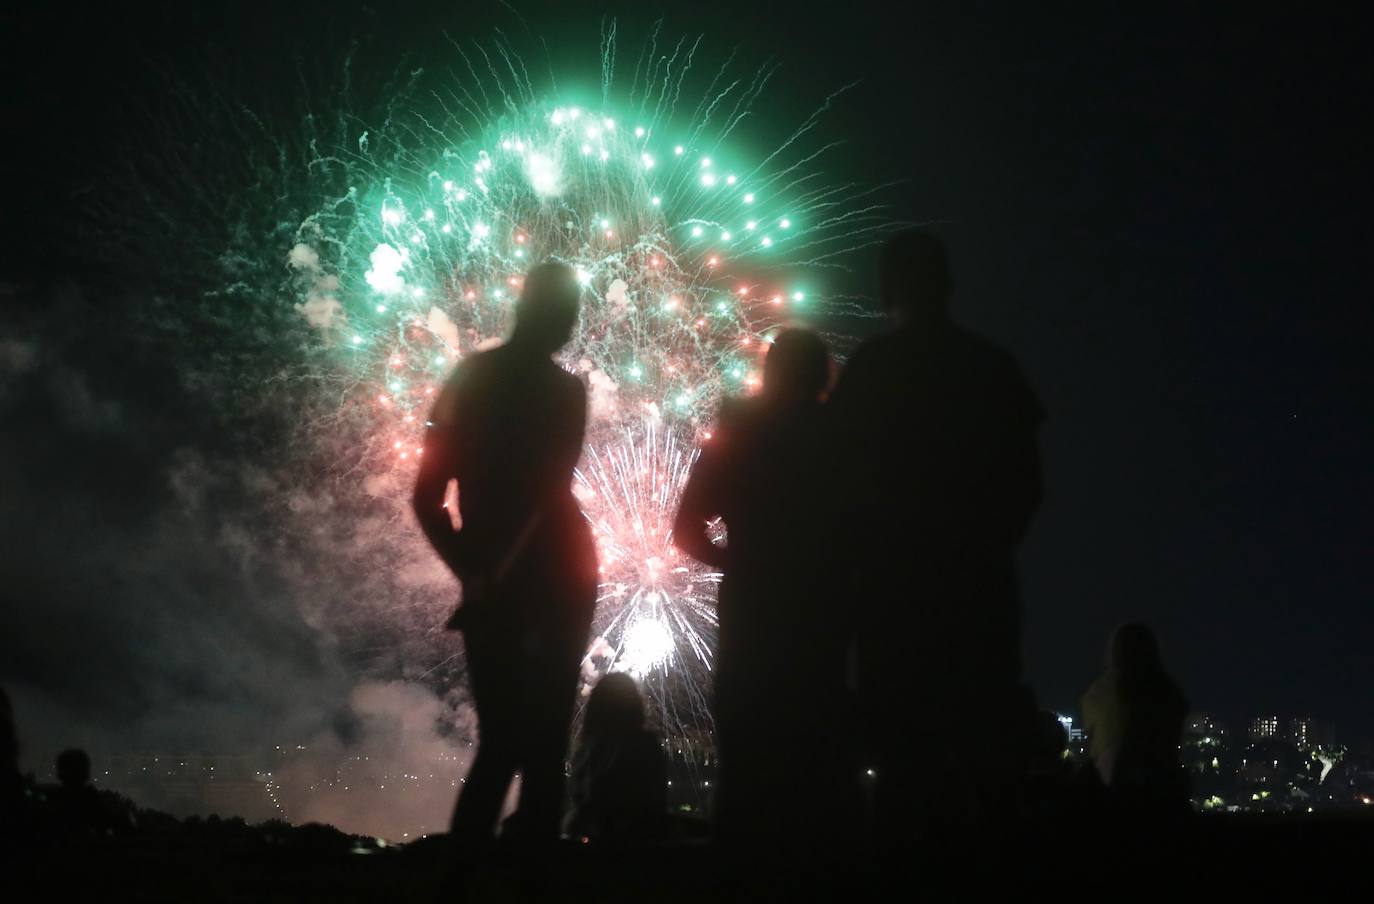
x,y
1133,716
619,778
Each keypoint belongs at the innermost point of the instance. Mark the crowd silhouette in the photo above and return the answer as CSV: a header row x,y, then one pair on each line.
x,y
869,591
868,584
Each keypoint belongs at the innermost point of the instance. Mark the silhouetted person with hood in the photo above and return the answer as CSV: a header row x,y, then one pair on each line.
x,y
938,475
508,428
619,775
779,695
1133,716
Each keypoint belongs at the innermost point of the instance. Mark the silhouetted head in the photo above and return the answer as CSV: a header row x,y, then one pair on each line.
x,y
615,707
914,276
797,368
547,310
73,768
1133,650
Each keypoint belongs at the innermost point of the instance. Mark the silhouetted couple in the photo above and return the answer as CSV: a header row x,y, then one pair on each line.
x,y
888,516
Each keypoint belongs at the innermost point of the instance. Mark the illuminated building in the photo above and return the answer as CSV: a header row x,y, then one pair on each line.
x,y
1305,732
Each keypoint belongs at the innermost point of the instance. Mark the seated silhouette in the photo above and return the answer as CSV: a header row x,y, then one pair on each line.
x,y
508,428
937,476
1133,715
619,775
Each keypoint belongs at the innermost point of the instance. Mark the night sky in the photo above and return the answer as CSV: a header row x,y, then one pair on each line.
x,y
1164,214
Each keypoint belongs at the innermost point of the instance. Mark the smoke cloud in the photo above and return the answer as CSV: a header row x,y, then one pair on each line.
x,y
390,779
168,585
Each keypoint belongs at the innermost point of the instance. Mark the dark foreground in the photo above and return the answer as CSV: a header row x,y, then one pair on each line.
x,y
227,861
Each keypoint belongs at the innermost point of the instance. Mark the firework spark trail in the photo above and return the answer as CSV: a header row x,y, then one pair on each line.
x,y
630,491
692,256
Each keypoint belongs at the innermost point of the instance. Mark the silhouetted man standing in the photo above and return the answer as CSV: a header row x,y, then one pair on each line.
x,y
508,427
940,471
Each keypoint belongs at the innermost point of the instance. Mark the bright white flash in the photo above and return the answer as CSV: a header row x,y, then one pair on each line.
x,y
542,172
385,274
646,644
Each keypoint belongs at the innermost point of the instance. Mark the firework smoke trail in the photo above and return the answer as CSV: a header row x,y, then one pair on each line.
x,y
692,256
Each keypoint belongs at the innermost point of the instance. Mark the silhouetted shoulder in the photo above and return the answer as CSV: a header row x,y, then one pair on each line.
x,y
876,367
733,413
568,383
445,408
978,348
570,399
874,353
999,370
885,364
736,420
